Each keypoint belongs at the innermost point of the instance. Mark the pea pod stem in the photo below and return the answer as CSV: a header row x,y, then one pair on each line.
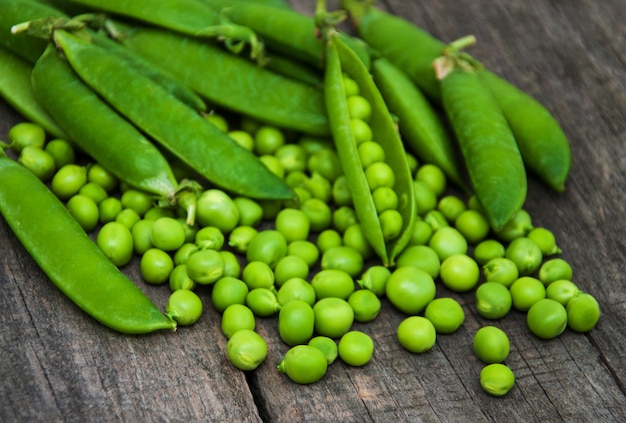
x,y
57,243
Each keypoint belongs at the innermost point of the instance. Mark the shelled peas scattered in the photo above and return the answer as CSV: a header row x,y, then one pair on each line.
x,y
307,264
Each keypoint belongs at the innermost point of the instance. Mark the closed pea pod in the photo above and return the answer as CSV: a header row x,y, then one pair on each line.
x,y
110,297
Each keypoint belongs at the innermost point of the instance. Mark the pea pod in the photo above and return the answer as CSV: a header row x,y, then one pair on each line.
x,y
170,122
541,140
233,82
16,89
58,243
341,59
422,129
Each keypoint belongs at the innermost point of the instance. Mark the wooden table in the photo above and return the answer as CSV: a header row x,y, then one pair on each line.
x,y
58,364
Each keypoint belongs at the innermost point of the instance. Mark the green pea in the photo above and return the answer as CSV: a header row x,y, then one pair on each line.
x,y
326,345
179,279
61,151
341,194
359,107
361,130
304,249
182,254
167,234
258,274
433,176
319,214
235,318
473,225
93,191
554,270
446,314
262,302
562,290
205,266
242,138
128,217
273,164
101,176
343,218
116,241
267,139
583,312
293,224
410,289
451,206
232,266
109,208
156,212
422,232
228,290
491,344
250,211
526,291
292,157
209,237
497,379
425,197
459,272
327,239
25,134
385,198
325,162
216,208
391,223
184,306
380,174
333,317
545,240
343,258
448,241
304,364
319,187
519,225
421,256
268,246
38,161
547,318
290,266
136,200
240,237
416,334
296,322
296,289
365,304
68,180
350,86
356,348
84,210
155,266
493,300
370,152
487,250
526,255
332,283
375,279
354,237
501,270
436,219
246,349
217,120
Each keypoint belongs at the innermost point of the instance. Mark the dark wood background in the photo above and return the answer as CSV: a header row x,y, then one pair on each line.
x,y
58,364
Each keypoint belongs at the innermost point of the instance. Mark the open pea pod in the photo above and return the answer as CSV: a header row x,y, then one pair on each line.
x,y
340,60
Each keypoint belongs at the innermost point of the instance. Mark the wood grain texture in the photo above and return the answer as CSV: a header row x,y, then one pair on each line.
x,y
59,365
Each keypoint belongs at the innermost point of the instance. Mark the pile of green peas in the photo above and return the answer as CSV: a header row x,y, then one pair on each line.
x,y
307,263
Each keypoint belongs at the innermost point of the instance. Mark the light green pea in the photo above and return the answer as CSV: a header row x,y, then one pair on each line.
x,y
554,270
365,304
497,379
304,249
258,274
488,249
501,270
343,258
526,255
237,317
262,302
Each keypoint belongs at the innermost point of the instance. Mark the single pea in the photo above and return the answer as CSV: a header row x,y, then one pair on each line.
x,y
488,249
296,289
228,290
240,237
526,255
391,224
497,379
545,240
179,279
304,249
410,289
519,226
246,349
436,219
242,138
433,176
451,206
526,291
301,195
167,234
93,191
547,318
325,162
333,317
292,157
385,198
350,86
210,237
459,272
473,225
332,283
370,152
290,266
354,237
116,242
583,312
267,139
319,214
412,162
137,200
128,217
205,266
359,107
109,208
493,300
446,314
380,174
101,176
184,307
293,224
84,210
319,187
343,218
375,279
491,344
232,266
356,348
425,197
555,269
61,151
155,266
562,290
217,120
341,194
273,164
343,258
250,211
25,134
327,239
182,254
303,364
422,232
416,334
262,302
216,208
268,246
237,317
326,345
501,270
68,180
258,274
38,161
421,256
448,241
296,322
361,130
365,304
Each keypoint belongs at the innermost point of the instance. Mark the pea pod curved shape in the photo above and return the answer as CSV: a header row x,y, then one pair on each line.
x,y
99,130
72,261
341,59
173,124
